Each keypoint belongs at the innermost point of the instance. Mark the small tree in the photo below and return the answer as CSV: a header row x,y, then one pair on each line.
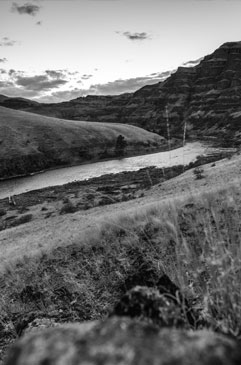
x,y
120,145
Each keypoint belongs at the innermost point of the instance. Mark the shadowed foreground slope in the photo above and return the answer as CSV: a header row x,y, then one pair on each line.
x,y
195,240
30,142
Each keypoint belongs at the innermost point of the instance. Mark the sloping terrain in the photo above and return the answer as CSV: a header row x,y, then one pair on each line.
x,y
76,266
30,142
60,230
207,97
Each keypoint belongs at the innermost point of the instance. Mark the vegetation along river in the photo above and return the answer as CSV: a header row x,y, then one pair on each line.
x,y
183,155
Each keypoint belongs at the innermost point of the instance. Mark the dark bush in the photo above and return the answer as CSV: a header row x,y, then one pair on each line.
x,y
68,207
2,212
198,172
21,220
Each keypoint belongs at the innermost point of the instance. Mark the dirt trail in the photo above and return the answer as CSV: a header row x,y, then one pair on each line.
x,y
41,234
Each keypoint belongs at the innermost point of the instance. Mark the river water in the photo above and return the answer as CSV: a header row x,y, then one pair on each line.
x,y
183,155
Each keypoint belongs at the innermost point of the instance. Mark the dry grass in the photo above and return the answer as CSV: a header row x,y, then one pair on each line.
x,y
23,133
196,242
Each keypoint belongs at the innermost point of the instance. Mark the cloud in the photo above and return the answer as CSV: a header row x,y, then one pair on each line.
x,y
129,85
11,72
86,77
56,74
110,88
6,42
5,83
39,82
13,91
135,36
39,23
103,0
17,83
27,8
192,63
59,96
59,85
3,60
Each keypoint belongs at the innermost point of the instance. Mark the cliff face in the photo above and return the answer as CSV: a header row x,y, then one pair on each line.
x,y
206,97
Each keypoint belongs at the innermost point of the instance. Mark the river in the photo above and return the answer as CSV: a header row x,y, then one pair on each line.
x,y
183,155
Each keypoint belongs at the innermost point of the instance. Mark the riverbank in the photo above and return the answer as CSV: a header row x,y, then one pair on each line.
x,y
84,195
179,156
131,152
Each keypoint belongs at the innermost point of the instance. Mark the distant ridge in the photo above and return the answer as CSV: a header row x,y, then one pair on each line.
x,y
207,97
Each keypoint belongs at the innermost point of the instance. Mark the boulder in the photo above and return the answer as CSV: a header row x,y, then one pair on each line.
x,y
123,341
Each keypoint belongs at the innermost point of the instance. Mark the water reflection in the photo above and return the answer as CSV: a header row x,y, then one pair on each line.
x,y
183,155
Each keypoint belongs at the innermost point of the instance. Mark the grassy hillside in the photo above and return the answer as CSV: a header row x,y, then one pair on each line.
x,y
30,142
76,267
196,241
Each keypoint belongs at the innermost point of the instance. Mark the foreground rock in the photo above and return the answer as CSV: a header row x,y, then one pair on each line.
x,y
123,341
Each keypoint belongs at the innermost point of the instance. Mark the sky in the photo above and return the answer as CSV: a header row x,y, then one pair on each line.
x,y
56,50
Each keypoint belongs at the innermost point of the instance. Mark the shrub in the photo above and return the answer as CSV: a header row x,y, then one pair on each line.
x,y
21,220
68,207
90,196
198,173
2,212
22,209
120,146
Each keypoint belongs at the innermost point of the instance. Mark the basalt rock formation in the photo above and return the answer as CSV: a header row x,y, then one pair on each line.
x,y
126,341
206,98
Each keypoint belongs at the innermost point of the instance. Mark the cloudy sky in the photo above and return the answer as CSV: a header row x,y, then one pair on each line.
x,y
55,50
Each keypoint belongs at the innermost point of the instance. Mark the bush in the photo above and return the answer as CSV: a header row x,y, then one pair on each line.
x,y
120,146
198,173
22,209
68,207
21,220
2,212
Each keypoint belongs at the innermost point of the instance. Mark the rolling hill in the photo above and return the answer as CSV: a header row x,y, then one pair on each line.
x,y
31,142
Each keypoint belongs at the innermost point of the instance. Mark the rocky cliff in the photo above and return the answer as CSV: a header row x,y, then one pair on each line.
x,y
206,97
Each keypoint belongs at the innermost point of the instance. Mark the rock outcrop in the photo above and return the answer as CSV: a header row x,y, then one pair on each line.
x,y
123,341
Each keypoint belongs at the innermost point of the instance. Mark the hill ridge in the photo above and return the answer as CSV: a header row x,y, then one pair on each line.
x,y
31,142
